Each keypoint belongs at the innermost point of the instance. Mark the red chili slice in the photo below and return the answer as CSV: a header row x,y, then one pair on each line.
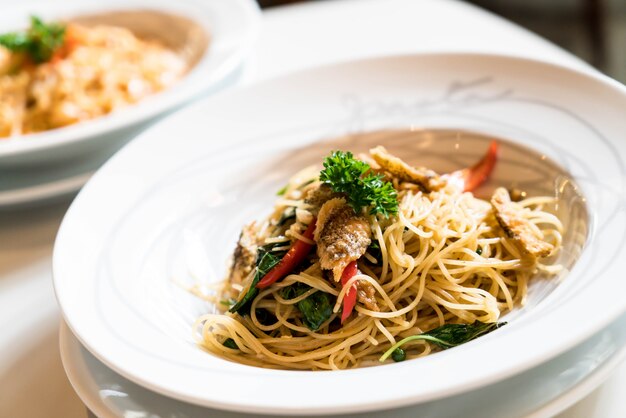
x,y
472,177
298,252
349,300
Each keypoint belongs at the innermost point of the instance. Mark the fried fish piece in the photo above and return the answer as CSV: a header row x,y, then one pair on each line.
x,y
341,236
510,217
316,197
365,293
244,257
427,179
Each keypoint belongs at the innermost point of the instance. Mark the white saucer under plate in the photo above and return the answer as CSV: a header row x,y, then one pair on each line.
x,y
29,186
174,208
540,392
216,34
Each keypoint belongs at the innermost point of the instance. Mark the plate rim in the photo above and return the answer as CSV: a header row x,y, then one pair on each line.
x,y
77,372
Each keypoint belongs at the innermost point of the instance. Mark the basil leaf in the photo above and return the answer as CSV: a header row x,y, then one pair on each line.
x,y
315,309
398,355
289,214
230,343
449,335
266,260
375,251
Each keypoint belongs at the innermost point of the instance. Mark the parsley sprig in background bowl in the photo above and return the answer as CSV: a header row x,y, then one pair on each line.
x,y
39,42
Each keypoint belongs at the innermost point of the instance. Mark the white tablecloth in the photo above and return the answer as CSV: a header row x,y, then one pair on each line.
x,y
31,376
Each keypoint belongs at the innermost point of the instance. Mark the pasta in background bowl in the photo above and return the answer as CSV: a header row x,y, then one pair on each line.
x,y
208,38
92,71
129,290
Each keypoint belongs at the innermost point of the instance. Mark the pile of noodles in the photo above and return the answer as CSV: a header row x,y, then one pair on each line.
x,y
99,69
445,260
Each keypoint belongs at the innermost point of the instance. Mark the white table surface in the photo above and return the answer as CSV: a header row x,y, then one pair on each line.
x,y
32,380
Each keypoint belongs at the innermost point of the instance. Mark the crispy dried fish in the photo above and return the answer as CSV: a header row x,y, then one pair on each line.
x,y
317,196
244,257
427,179
341,236
517,227
366,293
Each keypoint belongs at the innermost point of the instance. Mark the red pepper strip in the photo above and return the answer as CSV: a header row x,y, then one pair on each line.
x,y
349,300
472,177
294,256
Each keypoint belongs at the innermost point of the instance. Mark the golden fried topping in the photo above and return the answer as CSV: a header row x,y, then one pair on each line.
x,y
517,227
365,293
427,179
341,236
244,257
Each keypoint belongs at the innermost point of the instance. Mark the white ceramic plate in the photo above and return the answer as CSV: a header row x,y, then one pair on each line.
x,y
166,211
541,392
232,27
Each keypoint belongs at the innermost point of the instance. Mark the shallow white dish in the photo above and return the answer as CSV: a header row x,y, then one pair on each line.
x,y
543,391
231,26
174,209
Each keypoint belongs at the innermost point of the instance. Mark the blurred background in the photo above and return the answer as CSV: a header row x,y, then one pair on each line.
x,y
594,30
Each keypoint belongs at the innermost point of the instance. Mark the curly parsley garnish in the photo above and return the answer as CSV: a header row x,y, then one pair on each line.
x,y
363,189
38,42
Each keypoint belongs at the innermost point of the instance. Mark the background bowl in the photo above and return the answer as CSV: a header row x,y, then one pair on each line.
x,y
214,36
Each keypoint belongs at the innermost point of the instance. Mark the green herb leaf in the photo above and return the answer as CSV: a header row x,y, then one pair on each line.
x,y
287,215
282,191
15,41
230,343
228,302
264,316
315,309
450,335
345,174
39,41
265,261
398,355
375,251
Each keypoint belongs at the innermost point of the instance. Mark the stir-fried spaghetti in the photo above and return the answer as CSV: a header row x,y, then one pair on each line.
x,y
371,276
91,72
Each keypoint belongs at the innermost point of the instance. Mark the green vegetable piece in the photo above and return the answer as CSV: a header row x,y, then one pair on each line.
x,y
315,309
287,215
39,41
230,343
265,262
398,355
363,189
450,335
15,41
375,251
264,316
228,302
282,191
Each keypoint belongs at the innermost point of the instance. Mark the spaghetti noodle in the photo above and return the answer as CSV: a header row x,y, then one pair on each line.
x,y
444,257
94,71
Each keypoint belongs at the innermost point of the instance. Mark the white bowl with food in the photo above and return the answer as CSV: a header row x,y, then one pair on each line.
x,y
77,74
397,279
